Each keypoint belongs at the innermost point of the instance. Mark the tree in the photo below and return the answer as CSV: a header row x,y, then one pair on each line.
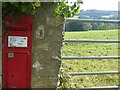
x,y
87,26
95,26
72,26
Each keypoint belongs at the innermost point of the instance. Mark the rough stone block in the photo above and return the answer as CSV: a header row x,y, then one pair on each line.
x,y
46,50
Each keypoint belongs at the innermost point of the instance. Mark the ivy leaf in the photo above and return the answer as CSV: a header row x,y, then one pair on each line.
x,y
33,5
24,8
16,4
78,11
63,5
37,4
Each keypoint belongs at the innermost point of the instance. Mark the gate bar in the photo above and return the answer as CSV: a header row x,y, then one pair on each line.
x,y
91,20
93,41
99,88
93,73
90,57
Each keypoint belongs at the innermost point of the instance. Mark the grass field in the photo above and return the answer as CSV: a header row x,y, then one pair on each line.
x,y
92,49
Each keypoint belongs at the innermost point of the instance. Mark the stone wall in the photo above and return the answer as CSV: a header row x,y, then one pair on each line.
x,y
47,43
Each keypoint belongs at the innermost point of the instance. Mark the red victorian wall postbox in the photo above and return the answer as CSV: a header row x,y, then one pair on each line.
x,y
17,54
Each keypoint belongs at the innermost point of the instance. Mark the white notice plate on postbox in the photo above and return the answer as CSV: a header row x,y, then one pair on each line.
x,y
17,41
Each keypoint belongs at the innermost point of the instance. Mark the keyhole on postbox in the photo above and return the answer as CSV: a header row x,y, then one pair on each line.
x,y
12,75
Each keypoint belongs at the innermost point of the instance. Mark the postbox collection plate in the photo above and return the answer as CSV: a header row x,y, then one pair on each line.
x,y
10,55
17,41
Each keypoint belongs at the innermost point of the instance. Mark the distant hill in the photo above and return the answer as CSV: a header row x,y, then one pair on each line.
x,y
93,14
97,14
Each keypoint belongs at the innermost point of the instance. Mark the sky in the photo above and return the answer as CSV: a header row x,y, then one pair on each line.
x,y
100,4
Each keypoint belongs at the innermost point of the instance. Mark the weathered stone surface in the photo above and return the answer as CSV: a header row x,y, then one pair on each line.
x,y
47,43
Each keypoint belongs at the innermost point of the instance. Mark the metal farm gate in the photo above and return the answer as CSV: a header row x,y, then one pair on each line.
x,y
93,57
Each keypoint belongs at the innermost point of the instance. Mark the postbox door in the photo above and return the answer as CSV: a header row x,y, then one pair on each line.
x,y
17,53
17,70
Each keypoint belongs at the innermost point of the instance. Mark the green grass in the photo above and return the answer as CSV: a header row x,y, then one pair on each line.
x,y
92,49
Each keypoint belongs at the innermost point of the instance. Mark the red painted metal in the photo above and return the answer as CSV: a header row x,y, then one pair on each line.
x,y
17,69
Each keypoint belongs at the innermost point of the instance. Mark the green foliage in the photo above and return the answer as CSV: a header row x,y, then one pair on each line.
x,y
19,8
72,26
65,79
61,8
66,10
